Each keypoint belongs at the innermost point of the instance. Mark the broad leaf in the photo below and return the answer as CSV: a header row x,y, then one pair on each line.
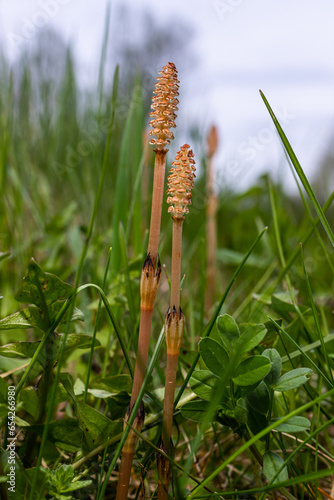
x,y
39,287
228,330
271,465
259,399
282,304
118,404
244,390
29,317
31,401
251,336
33,317
95,426
79,341
76,485
256,421
272,336
116,383
64,433
231,418
241,411
276,366
27,349
214,355
294,424
19,349
292,379
202,383
196,410
55,308
232,257
252,370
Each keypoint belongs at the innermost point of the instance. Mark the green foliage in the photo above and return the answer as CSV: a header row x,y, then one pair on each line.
x,y
203,383
271,464
251,370
292,379
242,386
294,424
213,355
96,428
61,481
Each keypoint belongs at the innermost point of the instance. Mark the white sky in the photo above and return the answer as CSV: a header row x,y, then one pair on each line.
x,y
282,47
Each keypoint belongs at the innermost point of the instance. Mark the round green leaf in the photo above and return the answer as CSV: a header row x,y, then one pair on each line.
x,y
292,379
276,366
271,464
251,336
256,421
213,355
117,383
202,383
228,330
294,424
196,410
259,399
252,370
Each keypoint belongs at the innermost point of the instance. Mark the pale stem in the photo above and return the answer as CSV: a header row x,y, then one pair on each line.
x,y
157,198
142,352
176,264
171,371
124,475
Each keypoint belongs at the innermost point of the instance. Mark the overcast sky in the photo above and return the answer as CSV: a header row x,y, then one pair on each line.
x,y
284,48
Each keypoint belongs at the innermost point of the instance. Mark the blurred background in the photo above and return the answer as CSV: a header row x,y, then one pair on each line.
x,y
57,67
225,51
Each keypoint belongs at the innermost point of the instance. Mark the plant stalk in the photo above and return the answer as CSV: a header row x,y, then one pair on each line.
x,y
157,199
149,285
176,264
174,324
180,183
142,352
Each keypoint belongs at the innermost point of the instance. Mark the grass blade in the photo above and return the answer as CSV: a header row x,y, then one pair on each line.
x,y
300,172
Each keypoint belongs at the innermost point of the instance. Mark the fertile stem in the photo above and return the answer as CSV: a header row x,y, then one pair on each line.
x,y
176,264
164,105
157,199
180,183
149,284
128,452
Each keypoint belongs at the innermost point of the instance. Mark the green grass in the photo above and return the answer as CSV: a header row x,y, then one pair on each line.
x,y
73,176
